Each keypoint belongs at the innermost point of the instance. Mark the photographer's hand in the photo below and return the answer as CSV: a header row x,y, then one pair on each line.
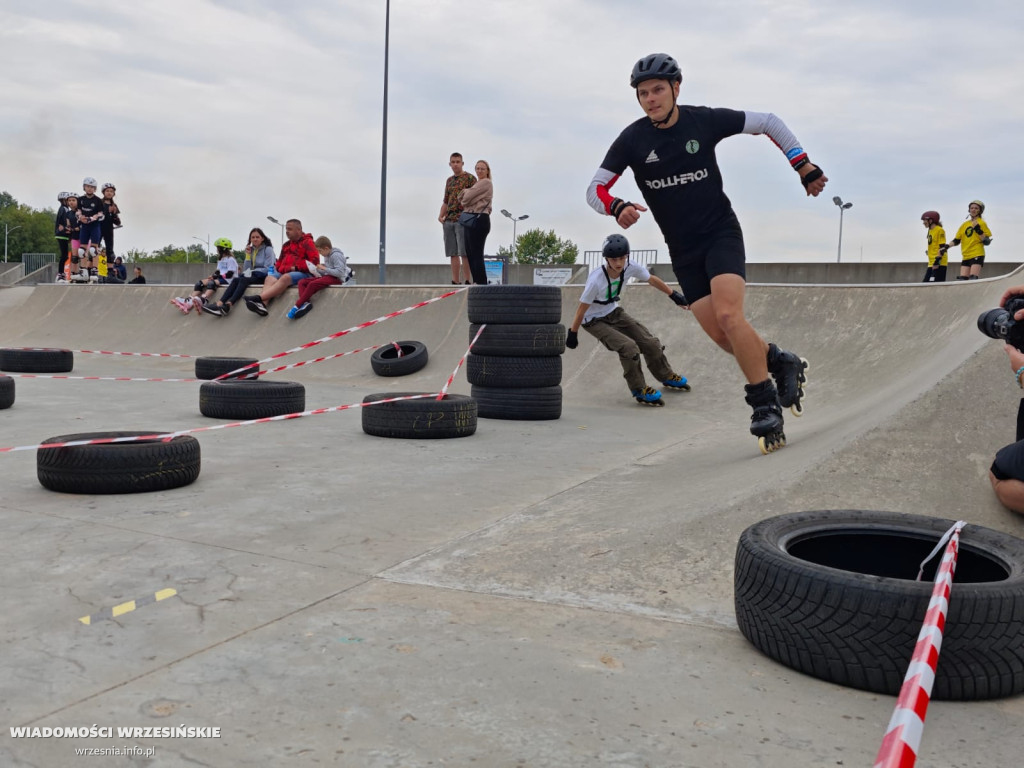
x,y
1016,357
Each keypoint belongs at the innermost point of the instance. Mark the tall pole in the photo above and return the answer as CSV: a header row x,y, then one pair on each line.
x,y
839,254
384,147
7,230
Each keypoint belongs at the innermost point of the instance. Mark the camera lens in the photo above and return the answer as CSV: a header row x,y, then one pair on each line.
x,y
994,323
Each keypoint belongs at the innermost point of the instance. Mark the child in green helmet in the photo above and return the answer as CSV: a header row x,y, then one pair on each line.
x,y
203,290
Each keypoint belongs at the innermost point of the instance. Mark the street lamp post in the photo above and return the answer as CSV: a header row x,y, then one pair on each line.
x,y
515,220
842,208
382,276
280,243
7,230
207,241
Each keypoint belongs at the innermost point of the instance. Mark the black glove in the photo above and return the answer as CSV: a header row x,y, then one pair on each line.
x,y
618,206
679,299
572,339
811,177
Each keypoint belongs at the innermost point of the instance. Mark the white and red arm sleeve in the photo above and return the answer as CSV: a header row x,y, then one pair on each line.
x,y
776,130
599,192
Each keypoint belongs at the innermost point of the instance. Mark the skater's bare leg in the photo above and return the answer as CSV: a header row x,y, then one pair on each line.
x,y
976,270
721,317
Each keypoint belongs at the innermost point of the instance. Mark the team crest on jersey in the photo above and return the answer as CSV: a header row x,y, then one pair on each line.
x,y
652,158
693,146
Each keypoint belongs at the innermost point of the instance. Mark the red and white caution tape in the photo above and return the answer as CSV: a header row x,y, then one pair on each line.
x,y
347,331
318,360
903,737
444,389
105,352
165,436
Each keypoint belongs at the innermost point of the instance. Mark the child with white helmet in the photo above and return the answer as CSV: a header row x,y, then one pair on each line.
x,y
90,214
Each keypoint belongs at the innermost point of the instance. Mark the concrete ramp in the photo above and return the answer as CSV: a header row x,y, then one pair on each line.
x,y
540,594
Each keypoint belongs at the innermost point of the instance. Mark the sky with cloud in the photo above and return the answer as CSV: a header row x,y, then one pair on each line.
x,y
210,115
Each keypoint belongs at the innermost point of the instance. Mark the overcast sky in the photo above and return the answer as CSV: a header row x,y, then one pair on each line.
x,y
210,115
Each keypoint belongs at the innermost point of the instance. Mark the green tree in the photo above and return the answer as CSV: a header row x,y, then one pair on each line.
x,y
176,253
135,254
535,246
28,230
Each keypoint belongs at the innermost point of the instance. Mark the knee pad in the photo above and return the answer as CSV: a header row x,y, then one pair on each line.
x,y
198,286
211,285
75,259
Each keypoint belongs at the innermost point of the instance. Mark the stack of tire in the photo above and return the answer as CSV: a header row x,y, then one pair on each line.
x,y
515,368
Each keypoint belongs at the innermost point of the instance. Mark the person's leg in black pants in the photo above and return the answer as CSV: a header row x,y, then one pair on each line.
x,y
475,240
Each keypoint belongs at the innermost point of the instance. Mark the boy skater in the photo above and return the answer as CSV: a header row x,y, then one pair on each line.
x,y
671,152
607,322
90,214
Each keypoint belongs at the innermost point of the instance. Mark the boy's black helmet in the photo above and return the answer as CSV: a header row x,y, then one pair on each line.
x,y
615,246
656,66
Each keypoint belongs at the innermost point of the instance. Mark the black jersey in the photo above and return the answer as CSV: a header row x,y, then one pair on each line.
x,y
90,206
676,169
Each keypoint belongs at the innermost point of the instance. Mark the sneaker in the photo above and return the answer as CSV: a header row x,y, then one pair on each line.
x,y
647,396
60,278
302,310
255,304
213,309
291,313
677,382
225,309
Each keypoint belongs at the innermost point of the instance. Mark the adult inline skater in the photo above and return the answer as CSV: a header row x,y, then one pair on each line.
x,y
671,152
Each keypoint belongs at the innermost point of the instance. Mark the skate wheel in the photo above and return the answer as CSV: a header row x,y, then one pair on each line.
x,y
771,443
797,409
686,388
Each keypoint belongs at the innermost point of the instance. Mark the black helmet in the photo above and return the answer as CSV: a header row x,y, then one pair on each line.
x,y
615,246
656,66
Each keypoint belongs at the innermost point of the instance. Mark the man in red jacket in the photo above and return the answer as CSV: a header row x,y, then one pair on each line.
x,y
297,254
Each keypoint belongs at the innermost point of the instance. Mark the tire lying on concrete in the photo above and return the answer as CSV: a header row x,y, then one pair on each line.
x,y
212,367
131,467
6,392
408,357
518,403
833,594
515,304
494,371
424,418
245,399
36,360
522,340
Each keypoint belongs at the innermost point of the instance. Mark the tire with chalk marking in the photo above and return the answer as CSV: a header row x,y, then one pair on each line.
x,y
245,399
212,367
494,371
6,392
521,340
387,361
832,594
37,360
140,466
422,419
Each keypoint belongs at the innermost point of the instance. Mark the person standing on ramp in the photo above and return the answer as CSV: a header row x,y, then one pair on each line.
x,y
671,152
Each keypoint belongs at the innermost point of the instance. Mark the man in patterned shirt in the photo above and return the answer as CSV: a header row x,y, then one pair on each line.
x,y
454,234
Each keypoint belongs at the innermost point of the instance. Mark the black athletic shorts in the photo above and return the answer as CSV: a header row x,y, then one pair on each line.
x,y
1009,462
718,253
979,260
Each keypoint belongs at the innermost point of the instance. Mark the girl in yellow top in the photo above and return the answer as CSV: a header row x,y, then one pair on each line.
x,y
936,272
972,237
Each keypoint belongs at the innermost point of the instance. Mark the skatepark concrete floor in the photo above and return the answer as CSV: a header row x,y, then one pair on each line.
x,y
537,595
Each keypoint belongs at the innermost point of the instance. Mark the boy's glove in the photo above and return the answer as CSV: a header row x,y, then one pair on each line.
x,y
679,299
572,339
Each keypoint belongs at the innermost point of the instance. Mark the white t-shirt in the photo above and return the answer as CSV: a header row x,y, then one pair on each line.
x,y
227,264
598,288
